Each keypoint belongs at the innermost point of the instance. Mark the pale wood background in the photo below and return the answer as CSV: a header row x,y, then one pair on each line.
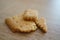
x,y
50,9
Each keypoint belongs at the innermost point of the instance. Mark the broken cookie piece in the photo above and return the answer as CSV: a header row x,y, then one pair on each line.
x,y
41,23
17,24
30,15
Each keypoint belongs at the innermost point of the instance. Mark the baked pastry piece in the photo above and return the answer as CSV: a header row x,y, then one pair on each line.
x,y
41,24
17,24
30,15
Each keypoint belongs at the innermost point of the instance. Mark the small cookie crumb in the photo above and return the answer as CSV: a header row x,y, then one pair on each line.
x,y
30,15
41,23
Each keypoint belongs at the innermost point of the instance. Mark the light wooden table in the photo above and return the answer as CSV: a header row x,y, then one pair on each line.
x,y
50,9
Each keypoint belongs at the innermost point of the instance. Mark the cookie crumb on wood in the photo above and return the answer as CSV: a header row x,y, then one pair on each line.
x,y
17,24
41,23
30,15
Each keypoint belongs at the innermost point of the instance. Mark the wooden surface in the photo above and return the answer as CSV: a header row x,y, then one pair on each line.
x,y
50,9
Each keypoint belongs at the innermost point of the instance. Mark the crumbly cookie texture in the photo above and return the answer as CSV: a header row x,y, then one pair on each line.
x,y
41,23
30,15
17,24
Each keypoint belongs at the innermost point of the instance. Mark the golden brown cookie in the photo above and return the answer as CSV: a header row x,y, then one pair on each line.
x,y
30,15
41,23
17,24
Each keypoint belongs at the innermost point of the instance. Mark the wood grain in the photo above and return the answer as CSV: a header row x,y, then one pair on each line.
x,y
50,9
